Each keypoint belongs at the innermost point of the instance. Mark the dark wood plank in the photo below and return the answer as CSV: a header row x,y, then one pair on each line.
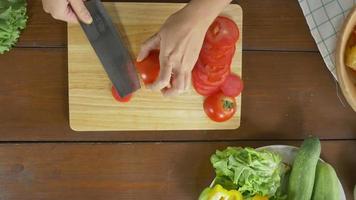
x,y
42,29
129,171
268,24
275,25
287,96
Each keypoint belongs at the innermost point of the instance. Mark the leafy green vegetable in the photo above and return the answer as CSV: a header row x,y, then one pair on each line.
x,y
249,171
12,20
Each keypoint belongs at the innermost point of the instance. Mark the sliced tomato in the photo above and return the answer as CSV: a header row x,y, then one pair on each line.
x,y
216,55
218,79
201,87
219,107
202,90
232,86
212,75
149,67
209,68
118,98
222,32
197,77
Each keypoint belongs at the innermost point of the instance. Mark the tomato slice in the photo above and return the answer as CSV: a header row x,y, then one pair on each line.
x,y
218,79
149,67
217,55
201,87
211,74
202,90
118,98
222,32
219,107
232,86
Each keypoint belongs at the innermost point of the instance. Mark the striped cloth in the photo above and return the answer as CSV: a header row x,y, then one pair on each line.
x,y
325,19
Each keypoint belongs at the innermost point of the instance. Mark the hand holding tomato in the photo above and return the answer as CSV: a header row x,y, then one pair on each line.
x,y
180,40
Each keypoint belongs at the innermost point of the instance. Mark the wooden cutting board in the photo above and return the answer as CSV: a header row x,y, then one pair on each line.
x,y
91,105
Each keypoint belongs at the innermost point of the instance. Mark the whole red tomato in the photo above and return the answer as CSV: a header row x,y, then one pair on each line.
x,y
219,107
149,67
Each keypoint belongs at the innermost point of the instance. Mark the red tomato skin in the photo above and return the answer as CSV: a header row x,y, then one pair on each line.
x,y
149,67
222,32
232,86
215,109
117,97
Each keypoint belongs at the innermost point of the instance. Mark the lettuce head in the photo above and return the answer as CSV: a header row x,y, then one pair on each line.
x,y
248,170
12,20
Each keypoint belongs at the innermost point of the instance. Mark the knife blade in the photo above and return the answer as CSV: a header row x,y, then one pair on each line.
x,y
110,49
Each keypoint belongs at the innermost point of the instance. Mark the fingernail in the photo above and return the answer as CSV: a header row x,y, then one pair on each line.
x,y
139,58
88,18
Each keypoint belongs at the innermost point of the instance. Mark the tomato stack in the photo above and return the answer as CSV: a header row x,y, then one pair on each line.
x,y
213,65
212,75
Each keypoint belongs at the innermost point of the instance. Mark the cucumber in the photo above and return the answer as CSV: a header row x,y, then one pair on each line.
x,y
301,180
326,186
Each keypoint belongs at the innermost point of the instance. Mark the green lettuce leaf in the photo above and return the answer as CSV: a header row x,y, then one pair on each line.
x,y
250,171
13,19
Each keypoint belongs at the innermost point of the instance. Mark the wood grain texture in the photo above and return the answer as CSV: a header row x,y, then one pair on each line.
x,y
285,98
41,29
130,171
268,25
91,105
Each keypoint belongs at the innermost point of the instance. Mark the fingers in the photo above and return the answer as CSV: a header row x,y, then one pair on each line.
x,y
164,76
147,46
187,80
81,11
59,10
70,16
178,85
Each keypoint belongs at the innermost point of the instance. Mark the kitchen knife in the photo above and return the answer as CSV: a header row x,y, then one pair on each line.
x,y
111,50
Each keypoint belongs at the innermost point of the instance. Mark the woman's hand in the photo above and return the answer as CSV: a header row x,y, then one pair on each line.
x,y
180,40
67,10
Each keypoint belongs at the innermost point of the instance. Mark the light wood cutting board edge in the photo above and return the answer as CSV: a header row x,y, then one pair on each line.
x,y
238,113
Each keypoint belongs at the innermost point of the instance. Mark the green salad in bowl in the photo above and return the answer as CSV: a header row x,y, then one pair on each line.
x,y
276,172
253,174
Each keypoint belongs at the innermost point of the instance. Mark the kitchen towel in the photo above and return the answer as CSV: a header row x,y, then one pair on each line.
x,y
325,19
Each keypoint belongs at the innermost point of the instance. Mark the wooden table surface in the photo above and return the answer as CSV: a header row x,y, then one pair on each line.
x,y
289,95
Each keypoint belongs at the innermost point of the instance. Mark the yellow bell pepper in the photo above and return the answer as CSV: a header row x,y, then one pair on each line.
x,y
257,197
351,57
219,193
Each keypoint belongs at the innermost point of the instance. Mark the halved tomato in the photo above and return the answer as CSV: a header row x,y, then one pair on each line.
x,y
222,32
